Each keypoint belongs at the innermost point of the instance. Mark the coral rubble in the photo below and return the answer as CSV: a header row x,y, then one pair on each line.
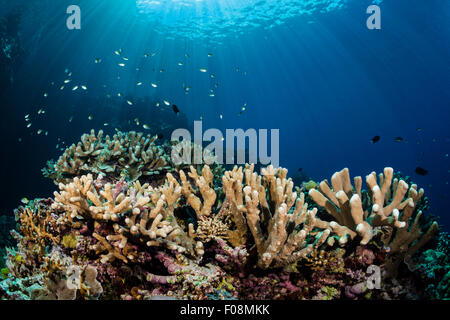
x,y
200,233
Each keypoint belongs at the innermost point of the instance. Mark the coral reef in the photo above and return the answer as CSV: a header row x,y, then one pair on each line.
x,y
386,208
200,233
128,155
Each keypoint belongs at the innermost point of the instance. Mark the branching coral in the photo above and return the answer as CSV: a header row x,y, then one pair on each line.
x,y
37,227
134,211
385,204
129,155
128,223
280,235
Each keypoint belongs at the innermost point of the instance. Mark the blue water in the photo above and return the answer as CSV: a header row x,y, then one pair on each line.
x,y
309,68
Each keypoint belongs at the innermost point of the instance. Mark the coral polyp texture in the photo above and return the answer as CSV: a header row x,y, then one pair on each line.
x,y
126,223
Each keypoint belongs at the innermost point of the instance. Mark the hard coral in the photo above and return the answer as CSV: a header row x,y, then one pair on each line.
x,y
127,223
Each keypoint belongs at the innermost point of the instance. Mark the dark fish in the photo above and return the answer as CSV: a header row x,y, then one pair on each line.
x,y
376,139
300,169
421,171
160,136
398,139
175,109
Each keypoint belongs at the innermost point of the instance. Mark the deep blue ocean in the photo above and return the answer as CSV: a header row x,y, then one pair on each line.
x,y
310,68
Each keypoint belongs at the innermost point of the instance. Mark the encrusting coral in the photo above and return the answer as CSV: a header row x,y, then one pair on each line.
x,y
200,233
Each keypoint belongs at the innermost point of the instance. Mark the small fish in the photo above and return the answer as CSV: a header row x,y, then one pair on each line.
x,y
145,55
175,109
24,200
29,125
121,64
98,60
118,52
157,104
75,88
70,74
129,102
139,84
186,55
126,59
66,71
212,75
154,85
119,94
210,55
106,124
27,116
221,116
67,81
180,63
90,117
421,171
376,139
84,88
61,88
70,119
39,131
45,95
167,103
398,139
146,127
419,129
203,70
46,133
162,70
20,139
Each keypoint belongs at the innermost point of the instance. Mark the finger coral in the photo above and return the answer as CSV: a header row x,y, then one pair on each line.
x,y
127,223
267,204
382,206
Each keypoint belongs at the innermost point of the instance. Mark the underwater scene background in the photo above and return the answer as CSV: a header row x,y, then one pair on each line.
x,y
342,96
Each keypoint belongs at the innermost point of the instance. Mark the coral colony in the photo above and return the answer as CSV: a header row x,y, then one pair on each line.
x,y
126,223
